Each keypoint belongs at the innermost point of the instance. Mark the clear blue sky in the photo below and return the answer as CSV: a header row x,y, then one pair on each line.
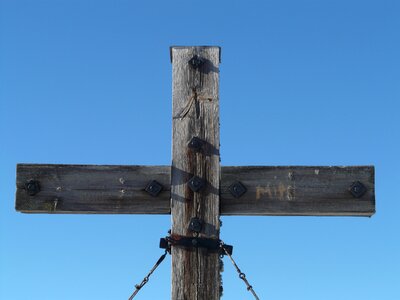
x,y
302,83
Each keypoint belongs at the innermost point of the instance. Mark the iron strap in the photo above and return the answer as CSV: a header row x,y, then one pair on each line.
x,y
212,245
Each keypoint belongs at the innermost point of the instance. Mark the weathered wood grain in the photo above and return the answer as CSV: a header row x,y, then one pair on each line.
x,y
298,190
93,189
308,191
195,109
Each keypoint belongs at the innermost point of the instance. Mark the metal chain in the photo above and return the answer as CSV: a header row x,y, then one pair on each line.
x,y
146,279
241,274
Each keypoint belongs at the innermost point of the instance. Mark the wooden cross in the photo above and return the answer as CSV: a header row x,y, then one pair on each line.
x,y
196,188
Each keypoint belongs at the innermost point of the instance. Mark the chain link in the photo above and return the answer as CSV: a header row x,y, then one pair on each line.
x,y
146,279
241,274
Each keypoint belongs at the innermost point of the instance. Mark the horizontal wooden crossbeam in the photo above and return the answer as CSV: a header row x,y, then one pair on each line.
x,y
93,189
288,190
299,190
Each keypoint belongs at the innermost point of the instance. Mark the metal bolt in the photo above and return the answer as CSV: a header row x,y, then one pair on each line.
x,y
195,144
154,188
357,189
237,189
32,187
195,225
196,183
196,61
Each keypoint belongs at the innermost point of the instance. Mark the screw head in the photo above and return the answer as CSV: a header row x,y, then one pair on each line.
x,y
154,188
196,183
237,189
357,189
196,61
195,225
195,144
32,187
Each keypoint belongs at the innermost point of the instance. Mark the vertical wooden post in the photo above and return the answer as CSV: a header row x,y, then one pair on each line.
x,y
195,110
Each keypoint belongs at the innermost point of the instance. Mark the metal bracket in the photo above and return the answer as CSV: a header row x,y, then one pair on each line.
x,y
213,245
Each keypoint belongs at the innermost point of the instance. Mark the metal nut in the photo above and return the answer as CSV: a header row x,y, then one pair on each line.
x,y
237,189
196,183
195,144
196,225
32,187
154,188
196,61
357,189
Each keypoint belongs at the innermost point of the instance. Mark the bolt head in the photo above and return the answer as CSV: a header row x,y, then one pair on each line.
x,y
32,187
237,189
195,225
196,61
357,189
154,188
195,144
196,183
